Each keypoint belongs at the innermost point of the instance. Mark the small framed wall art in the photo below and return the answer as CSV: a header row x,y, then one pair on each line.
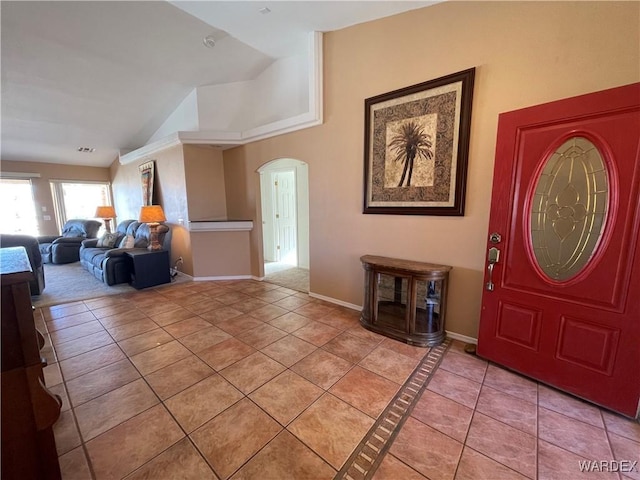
x,y
147,178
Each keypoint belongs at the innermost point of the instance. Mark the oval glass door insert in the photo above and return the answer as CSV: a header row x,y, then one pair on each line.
x,y
569,209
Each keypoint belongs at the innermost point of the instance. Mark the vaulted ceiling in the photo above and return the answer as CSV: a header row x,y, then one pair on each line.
x,y
107,74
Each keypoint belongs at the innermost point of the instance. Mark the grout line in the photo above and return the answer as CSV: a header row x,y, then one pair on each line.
x,y
421,376
161,402
372,450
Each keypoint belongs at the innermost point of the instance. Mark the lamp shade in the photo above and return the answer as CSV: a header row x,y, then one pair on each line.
x,y
152,214
105,212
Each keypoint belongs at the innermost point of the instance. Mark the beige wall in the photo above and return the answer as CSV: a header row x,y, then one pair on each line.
x,y
170,192
189,183
525,53
221,254
204,177
42,191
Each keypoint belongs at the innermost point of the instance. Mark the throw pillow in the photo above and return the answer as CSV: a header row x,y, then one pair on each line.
x,y
108,240
127,242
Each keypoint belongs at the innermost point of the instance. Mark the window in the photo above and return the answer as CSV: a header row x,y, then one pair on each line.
x,y
78,199
18,212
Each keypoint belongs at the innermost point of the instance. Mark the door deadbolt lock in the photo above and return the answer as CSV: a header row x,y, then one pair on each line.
x,y
495,237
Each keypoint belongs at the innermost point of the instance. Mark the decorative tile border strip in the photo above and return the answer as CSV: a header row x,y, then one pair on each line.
x,y
368,455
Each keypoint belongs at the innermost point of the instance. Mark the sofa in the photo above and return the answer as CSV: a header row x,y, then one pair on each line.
x,y
30,243
65,248
106,257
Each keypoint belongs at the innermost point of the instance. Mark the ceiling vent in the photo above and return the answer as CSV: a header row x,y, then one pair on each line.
x,y
86,149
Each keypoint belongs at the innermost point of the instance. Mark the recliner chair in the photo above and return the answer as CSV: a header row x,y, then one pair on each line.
x,y
65,248
36,285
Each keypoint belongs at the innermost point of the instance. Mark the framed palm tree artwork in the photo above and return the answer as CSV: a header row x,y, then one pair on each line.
x,y
417,147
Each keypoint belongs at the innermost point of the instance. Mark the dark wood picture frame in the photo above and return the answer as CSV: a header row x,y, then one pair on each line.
x,y
416,147
147,177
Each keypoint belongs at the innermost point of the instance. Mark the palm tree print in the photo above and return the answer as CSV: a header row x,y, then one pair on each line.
x,y
407,144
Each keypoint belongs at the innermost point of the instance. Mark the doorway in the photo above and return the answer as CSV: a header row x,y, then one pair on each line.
x,y
563,254
284,187
285,219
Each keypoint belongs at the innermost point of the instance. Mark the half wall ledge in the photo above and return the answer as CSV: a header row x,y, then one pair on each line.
x,y
221,248
221,226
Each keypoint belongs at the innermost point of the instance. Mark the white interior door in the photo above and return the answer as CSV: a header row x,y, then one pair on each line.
x,y
284,183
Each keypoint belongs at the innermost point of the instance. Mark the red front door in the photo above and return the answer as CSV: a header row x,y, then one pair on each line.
x,y
562,285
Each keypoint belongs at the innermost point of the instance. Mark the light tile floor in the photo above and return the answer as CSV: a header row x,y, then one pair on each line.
x,y
250,380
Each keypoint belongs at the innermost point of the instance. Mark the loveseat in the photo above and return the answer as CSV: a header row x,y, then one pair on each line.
x,y
36,285
65,248
106,257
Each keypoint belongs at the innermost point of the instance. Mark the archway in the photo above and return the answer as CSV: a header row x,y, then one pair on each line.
x,y
284,194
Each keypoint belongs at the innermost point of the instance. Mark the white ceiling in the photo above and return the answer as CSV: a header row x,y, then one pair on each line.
x,y
106,74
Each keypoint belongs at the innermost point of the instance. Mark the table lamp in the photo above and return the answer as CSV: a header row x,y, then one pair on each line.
x,y
152,215
106,213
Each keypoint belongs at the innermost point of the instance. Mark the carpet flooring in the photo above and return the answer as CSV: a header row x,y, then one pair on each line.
x,y
70,282
287,276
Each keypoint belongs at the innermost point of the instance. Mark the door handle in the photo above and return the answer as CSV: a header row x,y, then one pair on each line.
x,y
493,257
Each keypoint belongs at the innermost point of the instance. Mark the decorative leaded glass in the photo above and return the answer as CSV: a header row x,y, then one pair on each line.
x,y
569,209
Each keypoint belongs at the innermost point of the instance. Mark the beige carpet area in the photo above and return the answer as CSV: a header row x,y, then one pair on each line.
x,y
70,282
287,276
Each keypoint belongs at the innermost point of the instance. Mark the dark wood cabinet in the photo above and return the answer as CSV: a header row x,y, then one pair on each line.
x,y
405,300
29,410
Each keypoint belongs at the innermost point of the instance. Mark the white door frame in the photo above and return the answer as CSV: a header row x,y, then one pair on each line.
x,y
302,208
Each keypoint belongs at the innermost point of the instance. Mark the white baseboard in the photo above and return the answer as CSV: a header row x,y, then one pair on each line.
x,y
336,301
462,338
455,336
222,277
